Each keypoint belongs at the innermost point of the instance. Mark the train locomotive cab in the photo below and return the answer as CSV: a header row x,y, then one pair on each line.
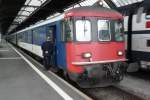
x,y
95,48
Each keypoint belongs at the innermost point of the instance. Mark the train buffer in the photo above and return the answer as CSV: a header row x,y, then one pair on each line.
x,y
20,79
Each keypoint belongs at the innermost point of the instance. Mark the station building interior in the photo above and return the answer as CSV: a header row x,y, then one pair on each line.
x,y
74,49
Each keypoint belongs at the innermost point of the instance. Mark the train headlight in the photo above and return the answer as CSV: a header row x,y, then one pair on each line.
x,y
120,53
87,55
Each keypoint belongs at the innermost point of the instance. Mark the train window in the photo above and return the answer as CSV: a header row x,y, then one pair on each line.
x,y
139,14
30,37
119,31
104,30
83,30
23,38
67,30
20,37
63,31
26,36
148,13
35,36
50,33
148,43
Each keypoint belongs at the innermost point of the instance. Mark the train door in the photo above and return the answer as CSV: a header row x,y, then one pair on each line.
x,y
51,32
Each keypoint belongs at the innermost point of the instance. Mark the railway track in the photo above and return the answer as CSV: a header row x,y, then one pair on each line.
x,y
110,93
107,93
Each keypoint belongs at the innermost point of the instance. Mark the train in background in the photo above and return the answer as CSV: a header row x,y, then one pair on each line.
x,y
89,44
137,30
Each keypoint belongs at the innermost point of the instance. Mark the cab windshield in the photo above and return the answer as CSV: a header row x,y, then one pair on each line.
x,y
110,30
95,29
83,30
104,30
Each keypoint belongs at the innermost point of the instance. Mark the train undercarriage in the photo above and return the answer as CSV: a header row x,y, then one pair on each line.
x,y
100,75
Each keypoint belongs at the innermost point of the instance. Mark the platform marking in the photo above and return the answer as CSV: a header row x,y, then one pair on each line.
x,y
48,80
65,82
73,88
10,58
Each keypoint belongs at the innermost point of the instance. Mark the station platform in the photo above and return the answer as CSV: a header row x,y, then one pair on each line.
x,y
22,79
136,86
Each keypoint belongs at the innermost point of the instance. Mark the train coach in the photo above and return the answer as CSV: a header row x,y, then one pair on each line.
x,y
89,44
137,33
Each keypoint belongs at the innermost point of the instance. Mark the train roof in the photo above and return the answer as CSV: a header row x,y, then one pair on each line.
x,y
94,11
81,11
57,18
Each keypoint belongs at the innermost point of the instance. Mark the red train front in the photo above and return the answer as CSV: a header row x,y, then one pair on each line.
x,y
95,46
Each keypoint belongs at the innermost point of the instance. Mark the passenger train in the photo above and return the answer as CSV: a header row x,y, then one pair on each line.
x,y
137,30
89,44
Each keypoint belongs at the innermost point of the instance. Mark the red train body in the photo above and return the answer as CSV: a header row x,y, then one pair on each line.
x,y
96,61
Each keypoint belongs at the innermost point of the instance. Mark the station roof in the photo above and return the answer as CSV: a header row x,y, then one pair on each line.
x,y
8,11
27,12
120,3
